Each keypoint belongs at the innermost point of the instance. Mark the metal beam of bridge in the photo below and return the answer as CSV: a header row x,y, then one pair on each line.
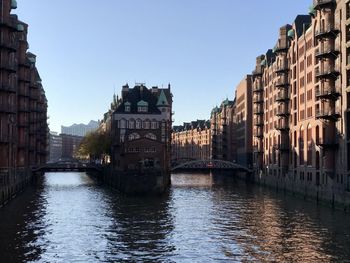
x,y
212,164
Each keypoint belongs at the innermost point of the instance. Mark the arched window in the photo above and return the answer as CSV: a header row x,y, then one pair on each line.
x,y
131,124
123,123
133,136
154,124
147,124
151,136
138,124
309,145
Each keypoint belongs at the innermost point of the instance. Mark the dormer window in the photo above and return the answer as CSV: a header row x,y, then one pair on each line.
x,y
142,106
127,106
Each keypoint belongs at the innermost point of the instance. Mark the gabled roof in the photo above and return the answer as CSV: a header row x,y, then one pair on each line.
x,y
142,103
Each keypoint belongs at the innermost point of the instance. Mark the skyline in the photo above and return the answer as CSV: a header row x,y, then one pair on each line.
x,y
193,45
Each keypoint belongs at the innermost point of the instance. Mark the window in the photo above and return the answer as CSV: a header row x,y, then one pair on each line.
x,y
154,125
131,124
122,124
151,136
133,136
142,109
138,124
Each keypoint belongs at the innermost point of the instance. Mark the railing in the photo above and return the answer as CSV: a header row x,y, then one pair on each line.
x,y
328,91
327,114
328,141
258,88
257,72
327,71
258,110
8,43
258,122
328,29
258,133
281,82
258,99
9,65
282,111
282,126
257,149
282,147
282,96
319,3
281,68
325,50
8,108
7,87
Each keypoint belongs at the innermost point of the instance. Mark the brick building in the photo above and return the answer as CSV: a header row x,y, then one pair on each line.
x,y
23,106
141,132
191,141
301,105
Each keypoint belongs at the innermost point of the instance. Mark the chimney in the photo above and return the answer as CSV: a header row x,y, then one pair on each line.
x,y
154,89
125,90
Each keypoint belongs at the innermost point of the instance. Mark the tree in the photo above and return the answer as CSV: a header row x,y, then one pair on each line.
x,y
94,146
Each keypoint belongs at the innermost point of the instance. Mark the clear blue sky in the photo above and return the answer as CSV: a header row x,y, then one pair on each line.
x,y
87,49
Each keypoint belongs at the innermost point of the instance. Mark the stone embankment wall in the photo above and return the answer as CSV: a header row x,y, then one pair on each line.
x,y
12,182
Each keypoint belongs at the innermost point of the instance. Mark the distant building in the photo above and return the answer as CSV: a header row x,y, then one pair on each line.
x,y
70,144
55,147
222,132
191,141
141,130
80,129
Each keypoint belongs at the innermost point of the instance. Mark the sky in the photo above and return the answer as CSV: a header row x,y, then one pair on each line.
x,y
87,49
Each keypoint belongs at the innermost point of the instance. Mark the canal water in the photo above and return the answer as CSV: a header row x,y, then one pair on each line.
x,y
66,217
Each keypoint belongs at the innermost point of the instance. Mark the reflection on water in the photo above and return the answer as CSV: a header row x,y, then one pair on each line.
x,y
66,217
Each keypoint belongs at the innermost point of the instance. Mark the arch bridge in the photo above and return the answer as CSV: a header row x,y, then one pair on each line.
x,y
211,164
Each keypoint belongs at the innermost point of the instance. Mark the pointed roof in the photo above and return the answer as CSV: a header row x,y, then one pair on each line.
x,y
162,100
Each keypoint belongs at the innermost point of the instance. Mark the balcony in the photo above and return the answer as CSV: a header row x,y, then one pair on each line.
x,y
330,72
8,87
329,31
282,97
258,133
257,73
329,93
282,112
258,150
4,138
9,22
330,115
327,52
258,110
258,122
8,44
281,47
319,4
9,66
282,147
281,68
282,83
282,126
330,143
23,108
10,109
258,88
258,99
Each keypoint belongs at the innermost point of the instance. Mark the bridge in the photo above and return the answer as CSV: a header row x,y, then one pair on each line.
x,y
211,164
67,167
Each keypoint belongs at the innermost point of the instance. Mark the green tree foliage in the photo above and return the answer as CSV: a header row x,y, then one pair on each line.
x,y
94,145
